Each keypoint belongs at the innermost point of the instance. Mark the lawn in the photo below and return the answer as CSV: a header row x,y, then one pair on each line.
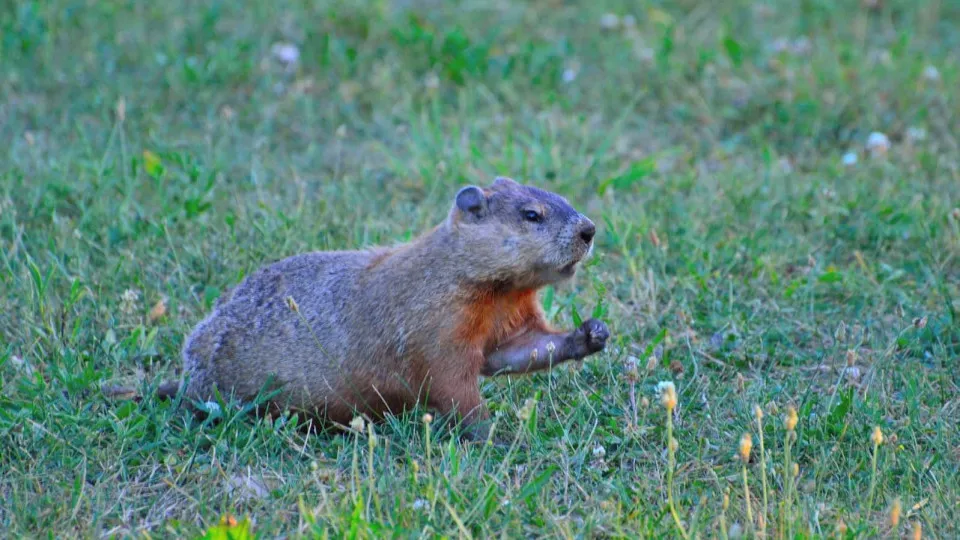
x,y
776,188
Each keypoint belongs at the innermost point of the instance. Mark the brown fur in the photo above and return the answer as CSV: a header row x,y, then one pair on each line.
x,y
381,330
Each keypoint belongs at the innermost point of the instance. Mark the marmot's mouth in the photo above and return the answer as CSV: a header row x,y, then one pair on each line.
x,y
570,268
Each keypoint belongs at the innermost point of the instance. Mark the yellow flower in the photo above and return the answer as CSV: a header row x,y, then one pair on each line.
x,y
877,436
792,418
757,412
895,513
746,444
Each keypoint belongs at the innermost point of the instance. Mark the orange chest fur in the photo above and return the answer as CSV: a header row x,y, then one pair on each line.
x,y
492,318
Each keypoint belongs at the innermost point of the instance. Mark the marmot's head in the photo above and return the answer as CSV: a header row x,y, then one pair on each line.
x,y
517,235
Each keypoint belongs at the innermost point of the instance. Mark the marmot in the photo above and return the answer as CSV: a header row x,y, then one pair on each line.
x,y
383,329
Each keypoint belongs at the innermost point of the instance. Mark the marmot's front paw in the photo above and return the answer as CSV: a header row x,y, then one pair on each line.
x,y
593,335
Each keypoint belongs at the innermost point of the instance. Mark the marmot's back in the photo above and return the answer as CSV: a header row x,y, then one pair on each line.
x,y
258,332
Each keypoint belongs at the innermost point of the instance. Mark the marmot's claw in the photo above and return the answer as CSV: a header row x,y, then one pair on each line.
x,y
596,334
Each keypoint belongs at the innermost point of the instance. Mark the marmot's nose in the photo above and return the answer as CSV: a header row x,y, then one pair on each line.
x,y
587,230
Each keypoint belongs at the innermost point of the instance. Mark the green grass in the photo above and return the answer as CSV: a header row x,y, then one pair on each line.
x,y
734,247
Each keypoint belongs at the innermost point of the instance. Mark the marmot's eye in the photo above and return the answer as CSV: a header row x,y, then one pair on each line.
x,y
532,215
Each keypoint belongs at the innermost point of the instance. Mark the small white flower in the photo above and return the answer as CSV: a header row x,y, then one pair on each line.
x,y
780,44
850,159
609,21
878,143
665,386
645,54
285,53
128,301
212,407
885,57
431,81
629,21
916,134
599,451
801,46
21,364
853,373
420,504
931,73
785,166
569,75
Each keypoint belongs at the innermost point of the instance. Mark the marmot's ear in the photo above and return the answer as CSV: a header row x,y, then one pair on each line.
x,y
504,182
472,201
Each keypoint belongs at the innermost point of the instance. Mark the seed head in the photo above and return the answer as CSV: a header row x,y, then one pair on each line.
x,y
551,347
877,437
357,424
746,444
630,370
917,533
526,411
792,418
668,395
795,469
427,418
652,362
840,334
121,110
895,513
292,304
157,311
757,413
851,358
654,238
726,500
674,444
920,322
372,436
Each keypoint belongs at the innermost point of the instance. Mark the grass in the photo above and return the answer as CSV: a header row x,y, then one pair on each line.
x,y
154,153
